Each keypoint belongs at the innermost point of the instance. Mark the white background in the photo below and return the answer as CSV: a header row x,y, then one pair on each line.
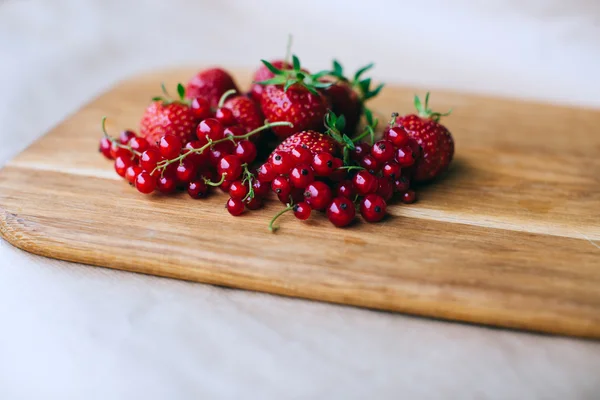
x,y
69,331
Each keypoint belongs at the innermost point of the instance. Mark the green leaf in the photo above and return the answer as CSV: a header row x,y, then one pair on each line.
x,y
369,116
373,93
322,85
338,70
289,84
277,80
340,124
418,104
300,75
320,74
296,62
157,98
362,71
310,89
348,142
427,101
164,89
181,91
272,68
364,86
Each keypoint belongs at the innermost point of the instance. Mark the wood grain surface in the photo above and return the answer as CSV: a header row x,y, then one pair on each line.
x,y
507,238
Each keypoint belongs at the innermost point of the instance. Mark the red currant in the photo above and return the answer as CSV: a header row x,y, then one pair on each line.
x,y
416,148
385,188
365,183
126,136
238,190
360,150
253,203
409,197
215,154
225,116
369,163
345,189
145,183
169,146
282,162
138,144
301,155
301,210
266,173
149,159
230,166
341,211
225,186
282,187
235,207
201,108
402,184
397,136
338,173
383,151
132,172
186,171
322,163
301,176
318,195
211,129
197,189
166,183
246,151
405,156
391,170
121,165
372,208
116,151
197,159
261,188
104,147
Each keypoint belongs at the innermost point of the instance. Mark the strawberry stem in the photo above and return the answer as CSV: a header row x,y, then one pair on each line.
x,y
425,112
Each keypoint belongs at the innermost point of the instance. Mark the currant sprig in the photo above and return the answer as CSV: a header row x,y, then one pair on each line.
x,y
115,142
301,211
295,75
248,177
162,165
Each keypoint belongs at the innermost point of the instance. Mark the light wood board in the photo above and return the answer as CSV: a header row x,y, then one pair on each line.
x,y
507,238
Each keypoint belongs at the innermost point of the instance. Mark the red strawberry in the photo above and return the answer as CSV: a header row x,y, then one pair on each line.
x,y
437,145
168,117
246,112
305,110
210,84
314,141
292,95
347,97
262,74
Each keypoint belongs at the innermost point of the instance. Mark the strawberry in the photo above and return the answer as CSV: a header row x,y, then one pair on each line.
x,y
292,95
313,141
168,117
347,97
210,84
246,112
262,74
435,141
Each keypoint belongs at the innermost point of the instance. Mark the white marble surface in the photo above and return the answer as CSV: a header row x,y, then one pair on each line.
x,y
69,331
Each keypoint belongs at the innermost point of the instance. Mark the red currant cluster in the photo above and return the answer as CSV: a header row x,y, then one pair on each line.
x,y
308,180
219,156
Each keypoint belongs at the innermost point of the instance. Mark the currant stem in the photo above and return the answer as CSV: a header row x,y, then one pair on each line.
x,y
351,167
210,183
273,228
225,96
165,163
115,142
248,177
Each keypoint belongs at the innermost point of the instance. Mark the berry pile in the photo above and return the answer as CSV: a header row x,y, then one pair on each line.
x,y
211,136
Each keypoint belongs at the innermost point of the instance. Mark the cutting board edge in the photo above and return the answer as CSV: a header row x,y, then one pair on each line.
x,y
21,239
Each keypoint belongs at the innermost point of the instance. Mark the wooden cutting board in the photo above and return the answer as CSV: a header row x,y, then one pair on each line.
x,y
506,239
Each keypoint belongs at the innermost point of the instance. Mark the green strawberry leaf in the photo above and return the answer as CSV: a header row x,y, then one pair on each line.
x,y
289,84
322,85
272,68
418,104
296,62
368,116
181,91
340,124
338,70
157,98
362,71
